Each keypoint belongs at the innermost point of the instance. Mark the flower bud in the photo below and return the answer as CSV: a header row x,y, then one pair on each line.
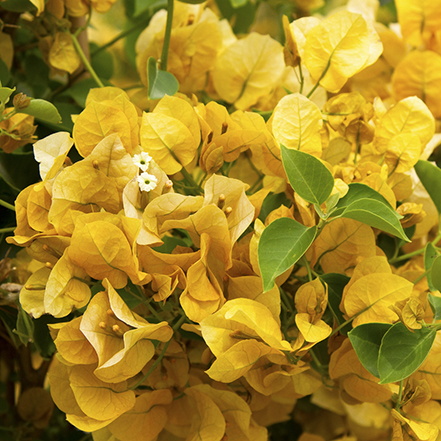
x,y
21,101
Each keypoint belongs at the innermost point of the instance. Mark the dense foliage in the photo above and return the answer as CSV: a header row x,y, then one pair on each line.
x,y
226,220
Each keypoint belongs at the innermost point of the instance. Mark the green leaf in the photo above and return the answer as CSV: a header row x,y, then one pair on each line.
x,y
5,75
42,110
13,167
79,91
282,244
66,111
402,352
435,304
102,62
37,74
141,6
331,202
18,5
430,255
197,2
272,202
161,83
336,284
170,243
366,205
42,337
359,191
130,295
238,3
24,328
242,17
430,177
5,93
377,215
8,316
366,341
436,274
307,175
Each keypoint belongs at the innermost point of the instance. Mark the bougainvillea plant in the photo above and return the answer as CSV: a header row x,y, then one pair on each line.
x,y
232,232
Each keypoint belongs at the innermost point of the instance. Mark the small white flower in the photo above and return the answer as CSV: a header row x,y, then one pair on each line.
x,y
147,181
142,160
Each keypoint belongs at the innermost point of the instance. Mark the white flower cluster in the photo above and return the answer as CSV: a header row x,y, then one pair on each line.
x,y
146,181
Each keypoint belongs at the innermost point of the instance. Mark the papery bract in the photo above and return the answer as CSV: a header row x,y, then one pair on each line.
x,y
121,338
248,69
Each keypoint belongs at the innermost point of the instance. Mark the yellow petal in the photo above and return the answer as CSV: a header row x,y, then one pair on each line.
x,y
63,54
146,420
180,109
208,424
39,203
370,296
403,152
83,188
73,345
97,399
6,49
112,159
241,318
250,287
248,69
342,243
311,299
410,115
242,211
301,28
338,48
237,361
296,124
32,294
168,141
419,74
122,351
51,152
97,121
418,20
64,289
312,332
61,391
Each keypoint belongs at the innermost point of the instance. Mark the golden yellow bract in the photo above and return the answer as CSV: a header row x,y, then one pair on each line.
x,y
131,272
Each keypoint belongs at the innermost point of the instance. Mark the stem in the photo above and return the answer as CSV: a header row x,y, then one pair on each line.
x,y
7,230
344,324
307,268
266,114
256,184
146,302
7,205
9,115
161,355
121,35
421,276
285,300
85,61
414,253
202,179
320,366
190,179
167,35
400,396
357,146
302,80
320,79
153,311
